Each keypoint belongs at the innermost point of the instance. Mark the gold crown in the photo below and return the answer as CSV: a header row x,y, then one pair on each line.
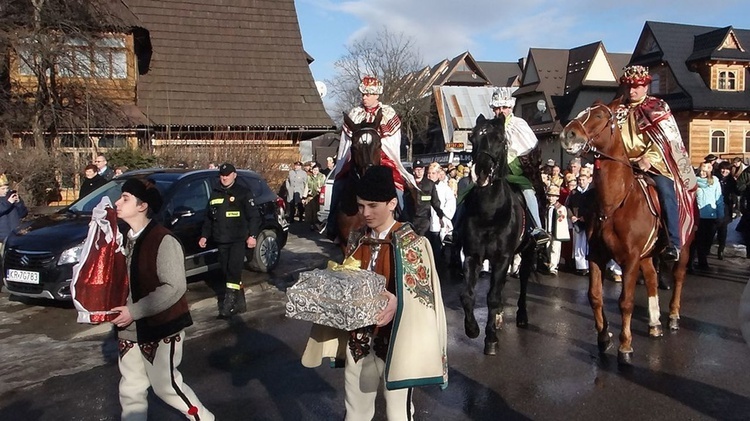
x,y
635,75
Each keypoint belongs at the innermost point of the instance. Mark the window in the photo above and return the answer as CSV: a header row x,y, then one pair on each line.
x,y
104,58
654,88
192,196
727,80
25,61
718,142
747,142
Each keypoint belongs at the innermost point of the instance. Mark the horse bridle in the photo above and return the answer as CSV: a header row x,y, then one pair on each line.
x,y
588,147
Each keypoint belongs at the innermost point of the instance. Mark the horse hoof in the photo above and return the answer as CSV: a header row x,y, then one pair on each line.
x,y
674,323
472,329
625,359
490,348
655,331
522,320
604,342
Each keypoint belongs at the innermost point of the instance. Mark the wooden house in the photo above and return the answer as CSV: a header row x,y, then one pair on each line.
x,y
187,74
702,73
556,84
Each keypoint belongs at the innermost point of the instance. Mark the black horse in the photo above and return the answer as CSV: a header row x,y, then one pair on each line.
x,y
493,229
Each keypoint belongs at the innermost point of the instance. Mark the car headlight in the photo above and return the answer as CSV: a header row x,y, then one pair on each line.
x,y
71,255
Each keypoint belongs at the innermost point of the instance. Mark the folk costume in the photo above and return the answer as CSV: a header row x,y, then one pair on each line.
x,y
151,347
409,351
390,137
649,129
556,224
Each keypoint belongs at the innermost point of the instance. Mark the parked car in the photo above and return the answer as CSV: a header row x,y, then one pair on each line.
x,y
38,257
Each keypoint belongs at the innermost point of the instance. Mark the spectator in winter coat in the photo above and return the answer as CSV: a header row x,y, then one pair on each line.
x,y
711,208
12,208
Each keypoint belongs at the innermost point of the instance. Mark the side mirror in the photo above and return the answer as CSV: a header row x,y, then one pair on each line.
x,y
180,213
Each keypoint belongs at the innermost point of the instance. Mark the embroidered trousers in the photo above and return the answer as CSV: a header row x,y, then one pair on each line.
x,y
157,368
361,382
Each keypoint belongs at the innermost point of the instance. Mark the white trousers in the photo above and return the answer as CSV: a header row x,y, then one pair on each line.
x,y
138,373
361,382
554,254
580,250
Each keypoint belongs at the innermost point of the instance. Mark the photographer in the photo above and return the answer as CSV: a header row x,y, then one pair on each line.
x,y
12,208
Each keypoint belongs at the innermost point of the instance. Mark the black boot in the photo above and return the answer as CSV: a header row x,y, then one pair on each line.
x,y
227,306
240,305
720,253
671,254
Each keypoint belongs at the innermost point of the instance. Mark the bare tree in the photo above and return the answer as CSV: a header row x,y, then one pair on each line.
x,y
54,57
391,58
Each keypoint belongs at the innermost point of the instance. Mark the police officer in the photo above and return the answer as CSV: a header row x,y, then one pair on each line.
x,y
232,223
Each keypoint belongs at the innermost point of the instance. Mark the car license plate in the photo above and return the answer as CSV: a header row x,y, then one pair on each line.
x,y
23,276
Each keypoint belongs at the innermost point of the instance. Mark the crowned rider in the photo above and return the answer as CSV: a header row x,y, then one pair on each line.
x,y
653,142
521,141
390,138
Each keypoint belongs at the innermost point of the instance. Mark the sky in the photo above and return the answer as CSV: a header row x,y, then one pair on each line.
x,y
497,30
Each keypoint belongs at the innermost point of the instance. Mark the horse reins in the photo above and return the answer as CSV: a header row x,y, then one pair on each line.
x,y
588,148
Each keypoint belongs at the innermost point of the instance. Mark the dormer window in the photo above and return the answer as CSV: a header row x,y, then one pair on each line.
x,y
727,80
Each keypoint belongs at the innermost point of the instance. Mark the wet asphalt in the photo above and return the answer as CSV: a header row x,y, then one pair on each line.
x,y
248,368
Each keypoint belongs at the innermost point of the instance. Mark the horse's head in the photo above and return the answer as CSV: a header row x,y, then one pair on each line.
x,y
489,150
592,130
365,143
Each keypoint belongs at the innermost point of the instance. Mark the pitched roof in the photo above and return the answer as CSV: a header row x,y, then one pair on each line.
x,y
228,63
674,45
501,73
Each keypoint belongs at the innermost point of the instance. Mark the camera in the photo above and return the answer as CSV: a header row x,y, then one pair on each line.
x,y
11,192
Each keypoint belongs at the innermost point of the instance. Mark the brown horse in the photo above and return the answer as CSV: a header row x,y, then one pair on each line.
x,y
365,153
625,227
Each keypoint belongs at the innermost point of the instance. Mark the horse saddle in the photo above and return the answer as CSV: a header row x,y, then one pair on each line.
x,y
648,186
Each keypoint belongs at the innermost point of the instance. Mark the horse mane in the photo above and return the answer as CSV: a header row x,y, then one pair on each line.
x,y
486,134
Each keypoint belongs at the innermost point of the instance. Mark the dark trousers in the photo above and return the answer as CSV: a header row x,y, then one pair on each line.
x,y
668,200
721,229
311,210
231,261
296,208
704,237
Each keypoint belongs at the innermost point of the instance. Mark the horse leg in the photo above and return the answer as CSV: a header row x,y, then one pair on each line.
x,y
629,277
495,303
596,300
649,273
678,274
471,273
527,266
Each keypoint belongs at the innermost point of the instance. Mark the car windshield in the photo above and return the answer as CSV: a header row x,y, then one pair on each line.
x,y
112,190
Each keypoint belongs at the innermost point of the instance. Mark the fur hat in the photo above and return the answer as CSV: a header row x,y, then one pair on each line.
x,y
371,85
502,97
377,185
635,76
553,190
145,191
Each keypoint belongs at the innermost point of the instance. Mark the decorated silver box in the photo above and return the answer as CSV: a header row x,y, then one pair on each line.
x,y
344,299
